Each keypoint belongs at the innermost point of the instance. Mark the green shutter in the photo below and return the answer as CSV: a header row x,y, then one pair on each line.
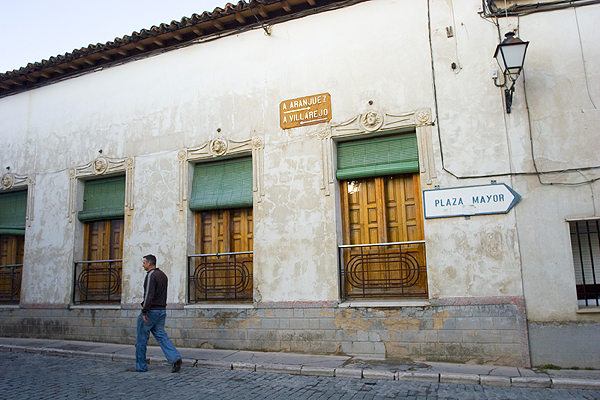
x,y
222,185
103,199
378,156
13,212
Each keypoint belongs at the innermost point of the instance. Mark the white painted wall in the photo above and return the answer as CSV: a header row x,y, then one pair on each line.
x,y
376,50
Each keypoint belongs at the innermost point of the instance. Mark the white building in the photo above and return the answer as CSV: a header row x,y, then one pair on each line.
x,y
316,176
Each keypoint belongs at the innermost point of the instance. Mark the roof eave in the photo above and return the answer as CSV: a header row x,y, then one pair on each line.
x,y
207,26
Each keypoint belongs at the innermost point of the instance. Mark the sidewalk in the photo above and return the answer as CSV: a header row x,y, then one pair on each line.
x,y
320,365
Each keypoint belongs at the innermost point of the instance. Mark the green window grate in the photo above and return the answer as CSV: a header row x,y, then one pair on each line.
x,y
388,155
103,199
222,185
13,212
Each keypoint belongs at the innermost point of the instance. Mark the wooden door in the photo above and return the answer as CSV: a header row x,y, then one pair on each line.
x,y
103,241
11,269
218,232
383,210
241,230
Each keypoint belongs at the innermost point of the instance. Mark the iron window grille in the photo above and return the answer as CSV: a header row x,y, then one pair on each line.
x,y
383,270
585,244
10,283
220,277
97,281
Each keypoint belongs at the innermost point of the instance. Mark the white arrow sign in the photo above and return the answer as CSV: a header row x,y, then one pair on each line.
x,y
469,200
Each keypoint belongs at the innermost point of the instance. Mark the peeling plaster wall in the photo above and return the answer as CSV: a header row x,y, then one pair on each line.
x,y
298,253
487,263
49,244
554,102
552,127
565,91
151,109
468,104
156,225
562,99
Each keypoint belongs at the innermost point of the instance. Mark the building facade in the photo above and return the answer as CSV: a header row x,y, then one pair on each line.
x,y
333,177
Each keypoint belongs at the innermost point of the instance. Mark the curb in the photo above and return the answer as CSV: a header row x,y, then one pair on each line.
x,y
356,373
566,383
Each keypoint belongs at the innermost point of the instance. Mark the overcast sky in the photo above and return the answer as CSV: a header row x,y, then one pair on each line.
x,y
35,30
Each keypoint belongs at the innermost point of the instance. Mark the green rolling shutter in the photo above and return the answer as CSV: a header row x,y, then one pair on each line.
x,y
13,212
222,185
103,199
378,156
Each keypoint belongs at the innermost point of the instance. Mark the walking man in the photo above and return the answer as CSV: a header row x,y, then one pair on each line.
x,y
153,316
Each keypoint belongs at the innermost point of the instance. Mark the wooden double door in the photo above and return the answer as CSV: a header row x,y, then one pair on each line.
x,y
11,267
98,278
383,210
224,238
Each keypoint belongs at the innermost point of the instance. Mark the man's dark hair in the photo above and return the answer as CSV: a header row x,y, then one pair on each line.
x,y
151,259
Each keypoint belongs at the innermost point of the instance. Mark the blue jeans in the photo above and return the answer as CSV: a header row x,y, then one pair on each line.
x,y
156,325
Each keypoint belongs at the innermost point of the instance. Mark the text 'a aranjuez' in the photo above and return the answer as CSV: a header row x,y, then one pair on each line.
x,y
304,111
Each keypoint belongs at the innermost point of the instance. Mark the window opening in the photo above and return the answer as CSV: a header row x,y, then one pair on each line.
x,y
585,244
98,275
221,269
383,254
13,206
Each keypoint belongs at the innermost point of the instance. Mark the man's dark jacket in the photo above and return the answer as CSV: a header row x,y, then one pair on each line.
x,y
155,291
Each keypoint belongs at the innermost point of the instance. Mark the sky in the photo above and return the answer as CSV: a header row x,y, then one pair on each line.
x,y
35,30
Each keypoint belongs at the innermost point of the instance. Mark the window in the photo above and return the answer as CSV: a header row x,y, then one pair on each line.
x,y
13,206
221,269
585,244
384,252
98,275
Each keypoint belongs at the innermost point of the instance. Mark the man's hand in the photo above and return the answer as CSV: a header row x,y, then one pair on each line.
x,y
145,318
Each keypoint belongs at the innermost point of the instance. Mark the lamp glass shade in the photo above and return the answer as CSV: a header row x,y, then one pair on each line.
x,y
510,56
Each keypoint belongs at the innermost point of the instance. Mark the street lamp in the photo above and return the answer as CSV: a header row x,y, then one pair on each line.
x,y
510,55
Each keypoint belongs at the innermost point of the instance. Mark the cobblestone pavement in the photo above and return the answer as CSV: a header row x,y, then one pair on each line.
x,y
38,376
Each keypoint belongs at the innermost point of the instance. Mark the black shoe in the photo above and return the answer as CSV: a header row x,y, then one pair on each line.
x,y
176,366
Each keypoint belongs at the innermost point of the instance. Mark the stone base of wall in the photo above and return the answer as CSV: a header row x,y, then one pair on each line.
x,y
565,345
482,331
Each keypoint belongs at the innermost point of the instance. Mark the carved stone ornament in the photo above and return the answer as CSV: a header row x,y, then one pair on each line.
x,y
422,117
182,155
371,121
8,181
257,142
218,146
324,131
100,165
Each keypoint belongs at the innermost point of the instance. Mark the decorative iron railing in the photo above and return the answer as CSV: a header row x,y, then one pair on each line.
x,y
585,242
10,283
220,277
97,281
383,270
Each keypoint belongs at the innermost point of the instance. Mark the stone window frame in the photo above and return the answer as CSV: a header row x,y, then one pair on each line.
x,y
375,121
101,166
213,150
11,181
220,147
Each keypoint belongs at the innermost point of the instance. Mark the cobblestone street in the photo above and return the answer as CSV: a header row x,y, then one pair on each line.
x,y
37,376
